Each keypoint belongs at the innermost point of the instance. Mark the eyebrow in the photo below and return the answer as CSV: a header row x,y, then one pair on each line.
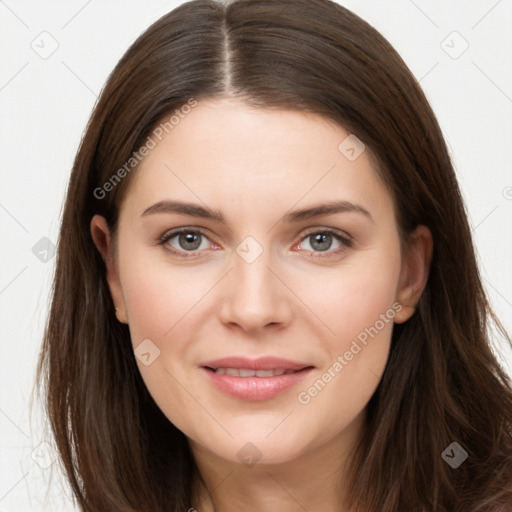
x,y
194,210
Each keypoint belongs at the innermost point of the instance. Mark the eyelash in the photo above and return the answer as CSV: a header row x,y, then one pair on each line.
x,y
346,241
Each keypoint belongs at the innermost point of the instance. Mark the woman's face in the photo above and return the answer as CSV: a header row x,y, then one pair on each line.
x,y
288,265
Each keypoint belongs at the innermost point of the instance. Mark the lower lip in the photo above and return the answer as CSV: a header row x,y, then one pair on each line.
x,y
256,388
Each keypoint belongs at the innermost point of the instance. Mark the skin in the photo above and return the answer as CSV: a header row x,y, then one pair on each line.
x,y
255,166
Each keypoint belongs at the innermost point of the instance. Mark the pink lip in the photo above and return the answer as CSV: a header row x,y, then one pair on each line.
x,y
256,388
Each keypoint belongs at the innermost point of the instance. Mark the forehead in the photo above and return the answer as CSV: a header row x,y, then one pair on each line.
x,y
228,153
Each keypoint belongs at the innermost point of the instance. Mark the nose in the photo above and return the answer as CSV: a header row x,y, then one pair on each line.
x,y
254,296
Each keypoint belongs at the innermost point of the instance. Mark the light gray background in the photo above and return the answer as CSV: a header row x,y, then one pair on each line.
x,y
46,101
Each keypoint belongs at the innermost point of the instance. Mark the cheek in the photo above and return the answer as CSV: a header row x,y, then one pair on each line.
x,y
352,368
358,306
158,296
351,298
162,301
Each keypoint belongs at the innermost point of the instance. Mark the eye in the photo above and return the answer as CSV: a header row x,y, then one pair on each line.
x,y
184,241
321,241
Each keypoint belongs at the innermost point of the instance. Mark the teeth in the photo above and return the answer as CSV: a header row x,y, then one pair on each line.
x,y
245,372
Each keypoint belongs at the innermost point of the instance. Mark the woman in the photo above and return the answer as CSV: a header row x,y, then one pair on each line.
x,y
266,291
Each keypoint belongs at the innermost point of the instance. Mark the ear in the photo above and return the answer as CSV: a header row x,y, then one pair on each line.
x,y
101,236
414,272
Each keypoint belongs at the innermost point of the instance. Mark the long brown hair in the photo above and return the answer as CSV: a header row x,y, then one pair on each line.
x,y
442,383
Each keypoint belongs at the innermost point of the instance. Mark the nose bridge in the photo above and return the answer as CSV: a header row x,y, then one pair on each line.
x,y
254,296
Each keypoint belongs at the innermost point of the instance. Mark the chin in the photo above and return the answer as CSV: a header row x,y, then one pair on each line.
x,y
254,445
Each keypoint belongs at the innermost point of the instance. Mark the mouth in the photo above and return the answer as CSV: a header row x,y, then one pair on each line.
x,y
256,379
247,372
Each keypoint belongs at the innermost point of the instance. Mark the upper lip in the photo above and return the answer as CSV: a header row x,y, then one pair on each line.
x,y
262,363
